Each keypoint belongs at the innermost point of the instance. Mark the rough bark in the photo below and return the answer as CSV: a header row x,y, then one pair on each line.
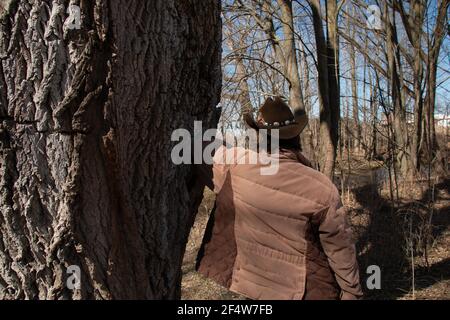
x,y
85,137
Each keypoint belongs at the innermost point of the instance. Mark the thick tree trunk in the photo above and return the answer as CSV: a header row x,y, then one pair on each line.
x,y
86,117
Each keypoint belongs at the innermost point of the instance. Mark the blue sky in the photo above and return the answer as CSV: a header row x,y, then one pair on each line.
x,y
304,29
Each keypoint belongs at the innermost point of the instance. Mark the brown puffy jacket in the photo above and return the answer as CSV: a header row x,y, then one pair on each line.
x,y
282,236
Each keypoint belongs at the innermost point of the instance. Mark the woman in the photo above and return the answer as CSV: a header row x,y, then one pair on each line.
x,y
281,236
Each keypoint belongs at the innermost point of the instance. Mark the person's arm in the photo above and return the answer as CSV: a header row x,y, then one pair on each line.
x,y
337,242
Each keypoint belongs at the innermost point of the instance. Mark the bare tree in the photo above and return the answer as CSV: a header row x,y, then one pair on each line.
x,y
327,45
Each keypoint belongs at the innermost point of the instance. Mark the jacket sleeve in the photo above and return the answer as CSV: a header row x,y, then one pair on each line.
x,y
337,242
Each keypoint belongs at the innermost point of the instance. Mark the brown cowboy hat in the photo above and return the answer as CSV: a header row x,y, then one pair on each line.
x,y
276,114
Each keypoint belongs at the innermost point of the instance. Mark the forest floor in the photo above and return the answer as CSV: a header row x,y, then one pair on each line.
x,y
385,231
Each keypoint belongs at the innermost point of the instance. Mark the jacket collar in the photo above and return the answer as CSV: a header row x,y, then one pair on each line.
x,y
294,155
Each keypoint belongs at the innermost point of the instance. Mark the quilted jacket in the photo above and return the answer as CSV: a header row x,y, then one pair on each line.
x,y
281,236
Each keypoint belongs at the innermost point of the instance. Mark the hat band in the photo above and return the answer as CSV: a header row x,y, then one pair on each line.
x,y
278,124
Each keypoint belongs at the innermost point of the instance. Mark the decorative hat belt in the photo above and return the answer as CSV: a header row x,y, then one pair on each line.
x,y
278,124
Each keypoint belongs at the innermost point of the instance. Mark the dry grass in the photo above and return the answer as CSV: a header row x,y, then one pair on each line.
x,y
389,233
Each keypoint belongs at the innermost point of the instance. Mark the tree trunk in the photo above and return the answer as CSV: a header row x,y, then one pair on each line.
x,y
86,117
373,125
401,143
356,123
240,76
290,56
328,83
439,33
